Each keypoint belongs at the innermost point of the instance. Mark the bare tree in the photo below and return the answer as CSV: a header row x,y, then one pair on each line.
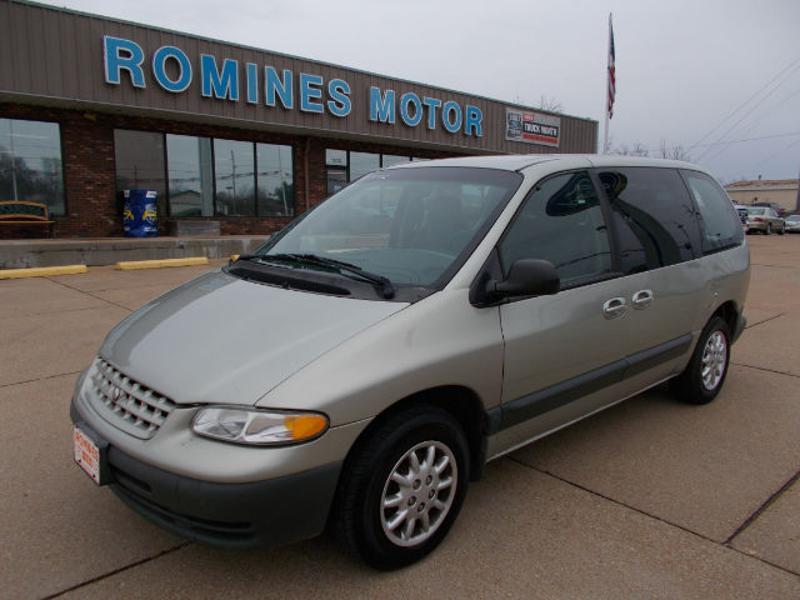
x,y
673,152
550,104
638,149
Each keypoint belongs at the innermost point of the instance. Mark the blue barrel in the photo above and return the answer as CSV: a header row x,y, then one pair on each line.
x,y
140,216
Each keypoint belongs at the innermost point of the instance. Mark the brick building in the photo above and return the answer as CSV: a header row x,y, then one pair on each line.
x,y
225,134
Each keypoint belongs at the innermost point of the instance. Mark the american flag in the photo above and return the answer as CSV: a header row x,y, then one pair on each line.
x,y
612,82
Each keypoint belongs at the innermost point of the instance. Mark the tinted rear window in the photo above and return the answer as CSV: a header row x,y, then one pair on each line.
x,y
653,217
720,223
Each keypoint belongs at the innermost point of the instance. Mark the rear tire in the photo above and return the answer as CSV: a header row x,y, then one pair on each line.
x,y
705,374
402,488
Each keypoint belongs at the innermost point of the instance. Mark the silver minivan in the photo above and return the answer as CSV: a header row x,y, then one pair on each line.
x,y
363,366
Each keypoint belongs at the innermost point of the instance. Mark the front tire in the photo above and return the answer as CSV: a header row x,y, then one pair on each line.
x,y
403,487
705,374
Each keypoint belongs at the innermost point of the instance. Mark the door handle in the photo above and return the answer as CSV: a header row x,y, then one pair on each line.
x,y
642,299
614,307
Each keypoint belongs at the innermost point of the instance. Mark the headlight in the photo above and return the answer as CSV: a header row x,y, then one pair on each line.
x,y
258,427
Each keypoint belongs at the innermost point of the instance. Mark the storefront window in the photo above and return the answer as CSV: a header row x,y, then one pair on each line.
x,y
343,166
191,183
337,179
139,159
234,169
389,160
336,158
30,163
362,163
275,179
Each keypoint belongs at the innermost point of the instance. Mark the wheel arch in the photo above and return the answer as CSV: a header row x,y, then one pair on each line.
x,y
461,402
730,312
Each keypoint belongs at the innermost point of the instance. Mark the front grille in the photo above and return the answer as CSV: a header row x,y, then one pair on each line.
x,y
126,403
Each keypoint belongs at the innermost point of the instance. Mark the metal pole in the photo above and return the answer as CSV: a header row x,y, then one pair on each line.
x,y
280,182
13,159
306,174
233,173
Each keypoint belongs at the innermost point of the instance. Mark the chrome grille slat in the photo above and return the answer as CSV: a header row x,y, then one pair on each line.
x,y
126,403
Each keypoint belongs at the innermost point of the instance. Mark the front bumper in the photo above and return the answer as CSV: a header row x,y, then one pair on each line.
x,y
265,513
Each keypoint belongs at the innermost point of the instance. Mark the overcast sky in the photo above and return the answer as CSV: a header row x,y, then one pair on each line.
x,y
683,66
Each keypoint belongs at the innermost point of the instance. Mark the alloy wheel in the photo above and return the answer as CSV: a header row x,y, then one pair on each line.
x,y
715,356
418,493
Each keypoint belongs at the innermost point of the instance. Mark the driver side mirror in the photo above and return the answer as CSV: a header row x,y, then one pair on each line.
x,y
527,277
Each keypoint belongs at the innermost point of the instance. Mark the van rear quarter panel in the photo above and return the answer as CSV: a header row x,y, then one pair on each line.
x,y
727,276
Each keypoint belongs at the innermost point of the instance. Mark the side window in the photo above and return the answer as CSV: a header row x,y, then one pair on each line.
x,y
654,218
561,221
722,227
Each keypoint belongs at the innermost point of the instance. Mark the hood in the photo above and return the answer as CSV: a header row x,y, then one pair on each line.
x,y
219,339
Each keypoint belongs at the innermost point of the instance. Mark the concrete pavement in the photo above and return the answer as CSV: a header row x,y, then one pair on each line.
x,y
648,499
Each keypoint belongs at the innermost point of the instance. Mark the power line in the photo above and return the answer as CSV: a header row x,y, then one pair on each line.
x,y
750,111
758,120
725,143
745,103
774,154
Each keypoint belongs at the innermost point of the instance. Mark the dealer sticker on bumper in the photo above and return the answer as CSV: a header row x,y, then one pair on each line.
x,y
87,454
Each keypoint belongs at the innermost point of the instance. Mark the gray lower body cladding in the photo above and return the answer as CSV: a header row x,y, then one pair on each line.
x,y
267,513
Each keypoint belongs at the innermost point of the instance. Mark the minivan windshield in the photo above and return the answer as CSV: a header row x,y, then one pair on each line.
x,y
413,226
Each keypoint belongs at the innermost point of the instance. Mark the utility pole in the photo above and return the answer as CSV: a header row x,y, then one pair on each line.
x,y
13,163
797,202
233,172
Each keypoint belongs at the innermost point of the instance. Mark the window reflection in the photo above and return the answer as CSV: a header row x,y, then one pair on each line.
x,y
30,163
561,221
653,215
191,187
139,159
234,167
389,160
362,163
344,166
275,180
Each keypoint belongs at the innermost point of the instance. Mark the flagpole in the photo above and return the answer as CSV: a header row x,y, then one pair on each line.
x,y
608,86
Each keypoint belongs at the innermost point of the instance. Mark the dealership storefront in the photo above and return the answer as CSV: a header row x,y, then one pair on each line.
x,y
225,134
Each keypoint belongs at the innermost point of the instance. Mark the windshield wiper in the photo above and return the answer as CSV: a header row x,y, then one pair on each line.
x,y
274,257
380,282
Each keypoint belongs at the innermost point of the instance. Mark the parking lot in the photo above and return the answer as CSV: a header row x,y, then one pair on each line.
x,y
651,498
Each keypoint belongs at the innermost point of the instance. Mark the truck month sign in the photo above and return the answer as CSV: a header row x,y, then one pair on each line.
x,y
532,127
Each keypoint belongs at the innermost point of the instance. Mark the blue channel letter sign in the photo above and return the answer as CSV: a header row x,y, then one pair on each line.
x,y
226,80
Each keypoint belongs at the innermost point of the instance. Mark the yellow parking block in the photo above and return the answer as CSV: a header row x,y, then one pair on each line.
x,y
42,271
234,257
131,265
